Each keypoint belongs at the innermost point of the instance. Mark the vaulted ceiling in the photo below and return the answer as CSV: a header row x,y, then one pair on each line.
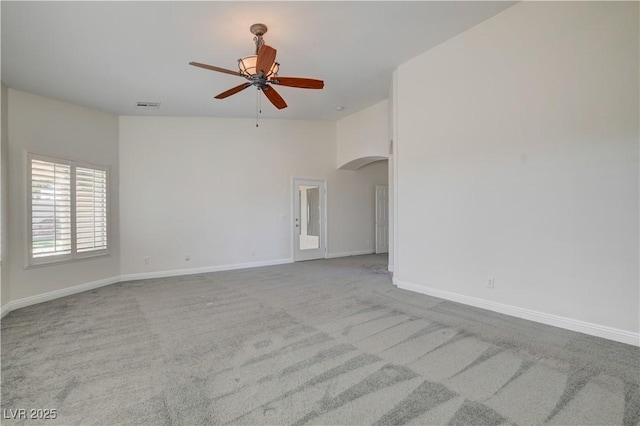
x,y
110,55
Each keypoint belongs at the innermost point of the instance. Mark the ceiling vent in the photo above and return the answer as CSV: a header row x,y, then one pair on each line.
x,y
148,105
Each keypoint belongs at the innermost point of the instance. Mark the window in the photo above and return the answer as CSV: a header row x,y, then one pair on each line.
x,y
68,210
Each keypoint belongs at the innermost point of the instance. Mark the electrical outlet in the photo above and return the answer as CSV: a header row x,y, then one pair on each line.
x,y
187,258
146,260
253,252
491,282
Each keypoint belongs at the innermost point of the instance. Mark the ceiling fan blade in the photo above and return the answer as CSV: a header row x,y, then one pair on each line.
x,y
266,58
274,97
233,91
303,83
212,68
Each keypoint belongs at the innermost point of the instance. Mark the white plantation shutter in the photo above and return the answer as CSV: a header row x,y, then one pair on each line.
x,y
68,210
91,209
50,208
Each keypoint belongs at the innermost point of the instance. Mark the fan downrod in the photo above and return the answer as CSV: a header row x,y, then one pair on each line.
x,y
258,30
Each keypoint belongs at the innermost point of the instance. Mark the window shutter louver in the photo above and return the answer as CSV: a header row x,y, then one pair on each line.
x,y
68,210
91,209
50,208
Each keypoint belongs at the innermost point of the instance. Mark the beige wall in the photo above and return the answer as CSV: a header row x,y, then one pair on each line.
x,y
518,159
220,189
363,137
5,288
50,127
216,189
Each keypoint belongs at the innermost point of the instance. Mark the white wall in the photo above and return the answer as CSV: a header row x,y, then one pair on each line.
x,y
218,189
5,289
363,137
518,159
50,127
392,120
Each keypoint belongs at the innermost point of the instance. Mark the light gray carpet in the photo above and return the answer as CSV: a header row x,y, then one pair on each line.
x,y
322,342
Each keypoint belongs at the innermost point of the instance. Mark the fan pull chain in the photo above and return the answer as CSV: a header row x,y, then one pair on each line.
x,y
258,105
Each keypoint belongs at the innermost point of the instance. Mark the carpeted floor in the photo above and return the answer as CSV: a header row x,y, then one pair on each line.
x,y
321,342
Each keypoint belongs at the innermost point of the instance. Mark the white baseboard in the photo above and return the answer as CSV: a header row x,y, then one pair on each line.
x,y
203,270
45,297
605,332
349,253
4,310
56,294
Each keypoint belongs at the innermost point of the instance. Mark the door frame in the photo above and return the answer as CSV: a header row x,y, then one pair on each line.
x,y
322,183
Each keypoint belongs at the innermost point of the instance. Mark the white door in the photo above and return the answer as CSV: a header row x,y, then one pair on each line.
x,y
382,219
309,219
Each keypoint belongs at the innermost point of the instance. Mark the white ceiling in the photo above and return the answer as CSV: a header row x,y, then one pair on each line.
x,y
110,55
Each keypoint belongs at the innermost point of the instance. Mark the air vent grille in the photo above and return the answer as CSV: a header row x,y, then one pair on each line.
x,y
148,105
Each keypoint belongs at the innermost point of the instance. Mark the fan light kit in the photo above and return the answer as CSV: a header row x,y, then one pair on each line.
x,y
261,71
248,64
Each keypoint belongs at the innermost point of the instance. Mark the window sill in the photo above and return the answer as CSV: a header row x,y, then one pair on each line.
x,y
51,262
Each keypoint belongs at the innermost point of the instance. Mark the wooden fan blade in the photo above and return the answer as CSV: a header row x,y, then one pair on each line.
x,y
212,68
274,97
303,83
266,58
233,91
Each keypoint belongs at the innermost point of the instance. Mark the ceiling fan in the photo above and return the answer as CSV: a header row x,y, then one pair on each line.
x,y
261,71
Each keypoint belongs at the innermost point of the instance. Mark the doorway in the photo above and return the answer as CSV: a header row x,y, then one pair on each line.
x,y
309,215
